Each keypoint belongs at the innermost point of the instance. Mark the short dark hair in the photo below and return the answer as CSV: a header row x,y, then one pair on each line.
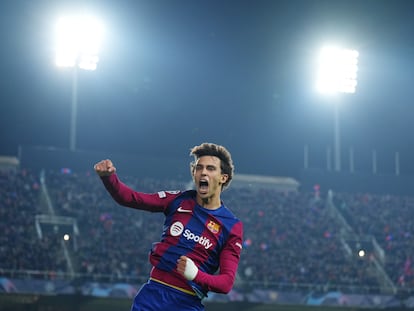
x,y
210,149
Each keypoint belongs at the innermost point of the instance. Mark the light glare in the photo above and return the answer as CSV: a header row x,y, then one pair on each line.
x,y
337,70
78,41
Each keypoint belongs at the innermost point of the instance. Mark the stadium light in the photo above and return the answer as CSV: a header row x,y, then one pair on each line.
x,y
78,42
337,70
337,73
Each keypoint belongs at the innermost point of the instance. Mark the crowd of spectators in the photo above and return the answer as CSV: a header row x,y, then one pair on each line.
x,y
20,247
387,219
291,240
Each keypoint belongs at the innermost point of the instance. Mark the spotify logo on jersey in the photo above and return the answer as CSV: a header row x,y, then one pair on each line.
x,y
176,228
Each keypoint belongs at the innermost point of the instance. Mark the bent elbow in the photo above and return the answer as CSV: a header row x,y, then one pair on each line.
x,y
227,289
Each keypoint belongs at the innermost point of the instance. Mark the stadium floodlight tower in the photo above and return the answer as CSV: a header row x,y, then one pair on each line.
x,y
337,74
78,41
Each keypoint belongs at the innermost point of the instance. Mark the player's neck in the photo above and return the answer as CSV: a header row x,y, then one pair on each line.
x,y
210,203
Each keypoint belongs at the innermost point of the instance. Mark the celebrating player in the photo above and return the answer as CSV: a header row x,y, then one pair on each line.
x,y
200,246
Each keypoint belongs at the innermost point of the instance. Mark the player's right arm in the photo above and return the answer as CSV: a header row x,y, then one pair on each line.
x,y
126,196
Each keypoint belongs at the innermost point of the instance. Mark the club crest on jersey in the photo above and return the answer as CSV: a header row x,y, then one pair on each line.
x,y
213,227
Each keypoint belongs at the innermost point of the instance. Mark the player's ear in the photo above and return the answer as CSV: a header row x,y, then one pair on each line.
x,y
224,178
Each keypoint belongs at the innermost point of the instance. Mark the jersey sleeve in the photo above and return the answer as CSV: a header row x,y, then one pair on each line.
x,y
229,261
125,196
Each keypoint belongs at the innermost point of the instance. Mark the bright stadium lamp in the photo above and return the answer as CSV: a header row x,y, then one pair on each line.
x,y
337,70
337,73
78,42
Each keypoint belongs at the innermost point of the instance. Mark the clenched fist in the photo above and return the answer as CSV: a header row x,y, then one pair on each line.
x,y
187,268
104,168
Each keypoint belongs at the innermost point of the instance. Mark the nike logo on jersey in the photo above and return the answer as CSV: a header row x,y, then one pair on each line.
x,y
183,210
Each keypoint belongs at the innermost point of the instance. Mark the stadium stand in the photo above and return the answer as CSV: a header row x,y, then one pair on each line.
x,y
297,243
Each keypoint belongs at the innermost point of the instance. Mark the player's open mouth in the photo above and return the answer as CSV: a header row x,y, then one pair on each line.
x,y
203,186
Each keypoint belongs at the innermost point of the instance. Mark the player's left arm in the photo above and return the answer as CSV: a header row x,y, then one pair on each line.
x,y
229,261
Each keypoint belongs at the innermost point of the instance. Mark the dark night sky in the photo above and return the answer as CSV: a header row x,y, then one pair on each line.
x,y
176,73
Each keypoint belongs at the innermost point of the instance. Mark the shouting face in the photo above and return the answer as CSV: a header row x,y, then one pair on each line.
x,y
208,180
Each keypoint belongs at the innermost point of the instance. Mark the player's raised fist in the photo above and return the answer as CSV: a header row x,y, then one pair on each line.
x,y
104,168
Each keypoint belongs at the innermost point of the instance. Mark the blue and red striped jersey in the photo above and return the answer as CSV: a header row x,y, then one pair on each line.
x,y
211,238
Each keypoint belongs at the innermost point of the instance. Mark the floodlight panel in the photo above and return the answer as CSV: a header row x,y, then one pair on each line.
x,y
88,62
348,86
337,71
65,59
78,42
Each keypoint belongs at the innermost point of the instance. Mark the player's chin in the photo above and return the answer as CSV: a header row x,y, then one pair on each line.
x,y
203,193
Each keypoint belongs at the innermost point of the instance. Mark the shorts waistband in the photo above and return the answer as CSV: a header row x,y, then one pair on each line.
x,y
186,291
